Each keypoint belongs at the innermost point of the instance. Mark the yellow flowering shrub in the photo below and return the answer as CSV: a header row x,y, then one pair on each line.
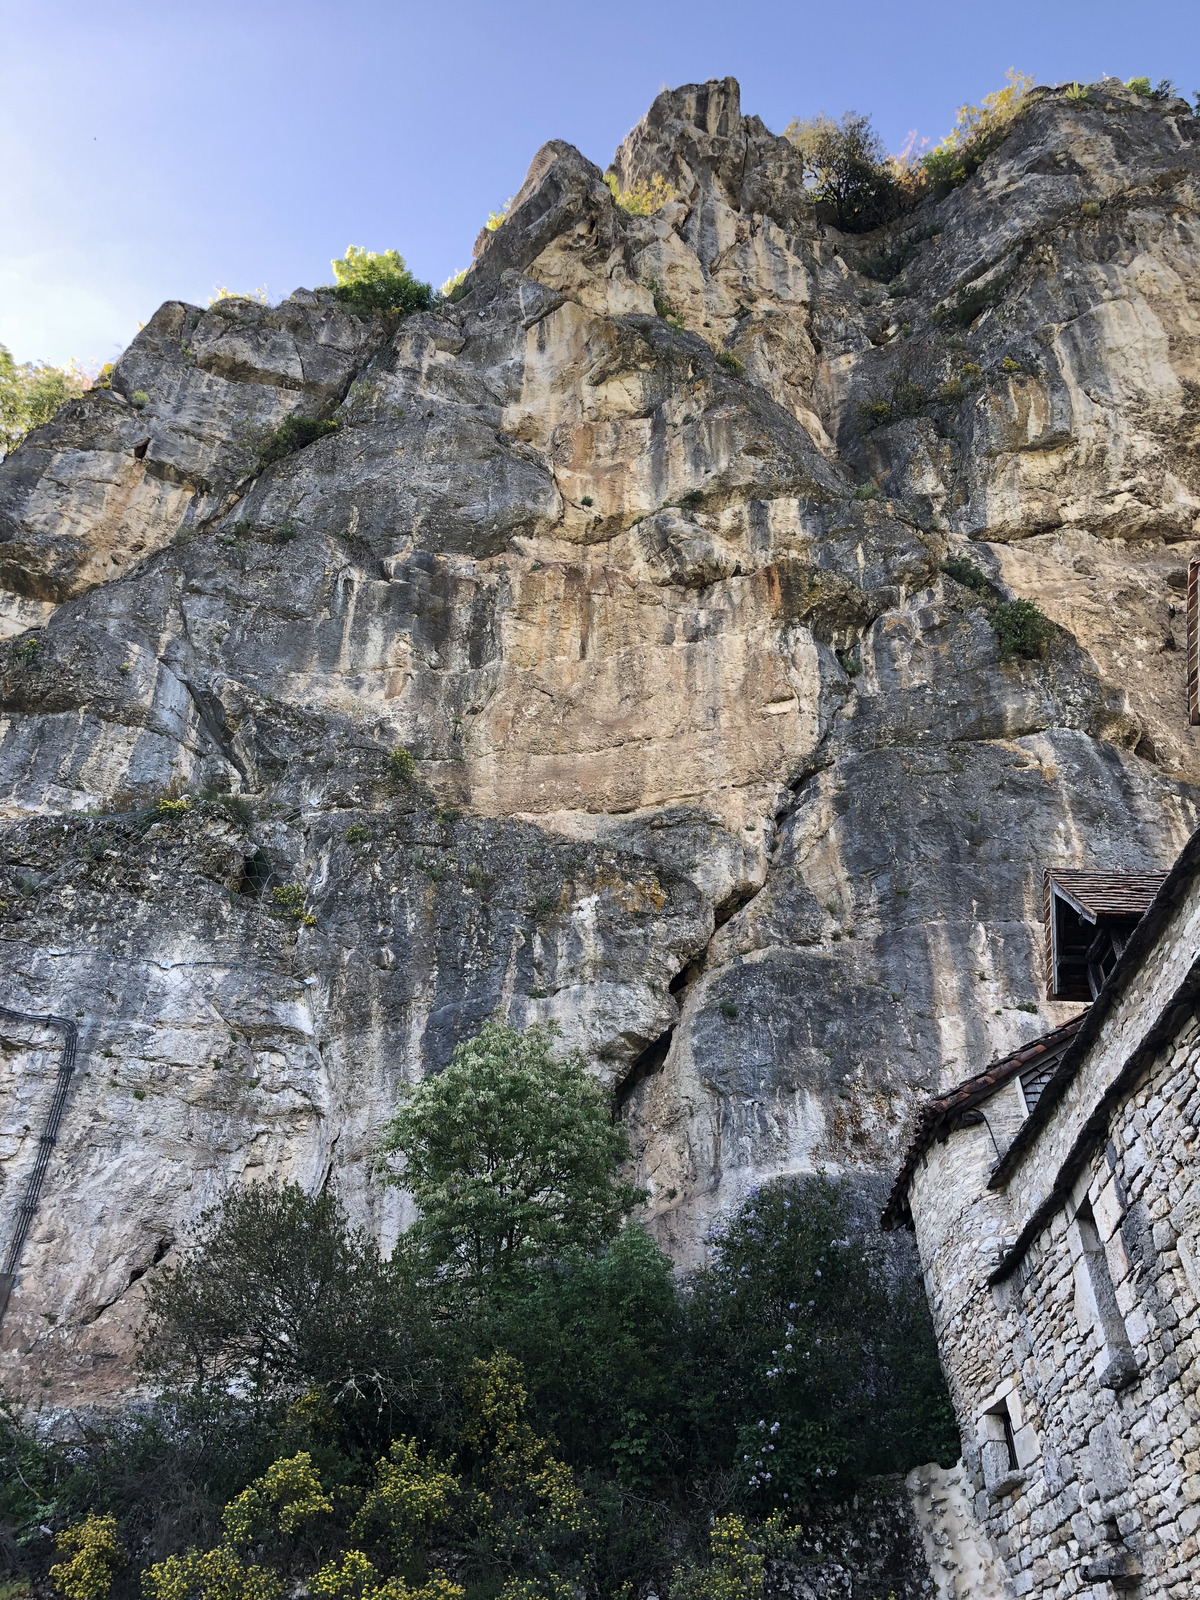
x,y
88,1575
408,1496
734,1573
436,1587
560,1497
218,1574
496,1428
350,1577
551,1587
289,1491
354,1577
517,1461
646,196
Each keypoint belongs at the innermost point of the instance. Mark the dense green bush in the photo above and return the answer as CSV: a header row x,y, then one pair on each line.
x,y
846,170
293,434
1021,628
567,1425
31,392
369,280
816,1348
602,1339
277,1296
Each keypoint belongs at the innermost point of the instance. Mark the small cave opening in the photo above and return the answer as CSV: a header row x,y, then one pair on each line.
x,y
650,1061
257,873
733,902
160,1250
686,975
139,450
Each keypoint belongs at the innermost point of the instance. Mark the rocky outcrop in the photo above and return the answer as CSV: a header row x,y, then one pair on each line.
x,y
637,548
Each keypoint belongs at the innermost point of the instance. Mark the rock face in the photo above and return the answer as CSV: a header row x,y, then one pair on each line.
x,y
637,548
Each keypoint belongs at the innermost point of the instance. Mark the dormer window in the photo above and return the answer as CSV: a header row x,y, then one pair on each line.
x,y
1089,918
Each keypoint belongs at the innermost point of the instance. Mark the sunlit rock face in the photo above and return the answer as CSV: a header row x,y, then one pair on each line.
x,y
715,768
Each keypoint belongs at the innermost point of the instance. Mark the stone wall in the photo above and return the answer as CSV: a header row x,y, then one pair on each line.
x,y
1086,1353
868,1548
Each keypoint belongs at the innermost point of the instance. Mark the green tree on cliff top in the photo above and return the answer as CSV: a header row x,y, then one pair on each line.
x,y
31,392
378,280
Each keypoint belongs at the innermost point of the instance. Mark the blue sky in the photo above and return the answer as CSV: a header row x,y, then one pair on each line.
x,y
152,151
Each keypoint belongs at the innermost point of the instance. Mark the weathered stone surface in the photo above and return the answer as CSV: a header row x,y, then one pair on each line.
x,y
1062,1284
114,477
714,766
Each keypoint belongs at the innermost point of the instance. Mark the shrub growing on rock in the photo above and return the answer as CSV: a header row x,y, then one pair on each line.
x,y
370,280
977,131
846,170
643,198
1021,627
293,434
402,765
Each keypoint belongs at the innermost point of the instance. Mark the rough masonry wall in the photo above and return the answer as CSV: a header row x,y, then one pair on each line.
x,y
1110,1481
714,766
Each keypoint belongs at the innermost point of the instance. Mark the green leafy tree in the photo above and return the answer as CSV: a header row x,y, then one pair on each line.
x,y
370,280
511,1154
278,1294
814,1354
31,392
601,1340
846,168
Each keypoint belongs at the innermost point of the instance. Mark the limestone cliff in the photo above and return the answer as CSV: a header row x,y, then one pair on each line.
x,y
715,767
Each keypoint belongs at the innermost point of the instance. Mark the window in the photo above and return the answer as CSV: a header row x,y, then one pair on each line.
x,y
1089,918
1099,1305
998,1451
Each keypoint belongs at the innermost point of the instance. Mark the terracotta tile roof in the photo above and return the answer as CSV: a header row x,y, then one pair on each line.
x,y
1107,894
1035,1059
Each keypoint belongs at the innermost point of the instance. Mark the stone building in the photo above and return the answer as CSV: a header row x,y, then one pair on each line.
x,y
1055,1199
